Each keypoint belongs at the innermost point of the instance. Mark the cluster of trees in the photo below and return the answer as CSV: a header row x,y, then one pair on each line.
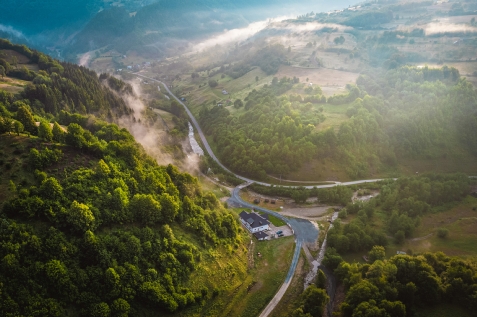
x,y
312,302
269,138
180,118
407,199
359,234
64,86
401,285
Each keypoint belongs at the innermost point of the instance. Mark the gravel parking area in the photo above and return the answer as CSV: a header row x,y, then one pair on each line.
x,y
286,230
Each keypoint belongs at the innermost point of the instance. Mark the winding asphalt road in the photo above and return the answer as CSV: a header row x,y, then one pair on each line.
x,y
212,155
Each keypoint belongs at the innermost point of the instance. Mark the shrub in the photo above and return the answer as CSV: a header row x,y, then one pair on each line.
x,y
343,214
442,233
213,83
399,237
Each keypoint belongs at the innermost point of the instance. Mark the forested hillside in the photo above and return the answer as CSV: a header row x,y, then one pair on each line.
x,y
403,114
403,285
366,278
89,222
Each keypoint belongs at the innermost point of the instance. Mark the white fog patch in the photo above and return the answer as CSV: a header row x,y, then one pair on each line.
x,y
437,28
309,26
237,35
84,59
149,137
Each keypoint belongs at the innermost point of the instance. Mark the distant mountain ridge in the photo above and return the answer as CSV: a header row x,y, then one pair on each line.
x,y
79,26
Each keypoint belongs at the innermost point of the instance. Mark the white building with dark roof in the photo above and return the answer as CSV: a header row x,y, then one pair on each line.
x,y
254,222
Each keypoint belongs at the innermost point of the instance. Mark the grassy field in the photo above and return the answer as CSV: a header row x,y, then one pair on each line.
x,y
251,288
288,303
274,220
12,85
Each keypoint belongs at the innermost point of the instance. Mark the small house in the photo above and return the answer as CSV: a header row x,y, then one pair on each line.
x,y
401,252
273,201
261,236
254,222
224,92
267,200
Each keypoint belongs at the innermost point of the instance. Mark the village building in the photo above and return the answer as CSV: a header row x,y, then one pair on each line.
x,y
254,222
261,236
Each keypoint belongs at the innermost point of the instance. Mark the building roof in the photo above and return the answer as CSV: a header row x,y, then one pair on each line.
x,y
253,219
260,235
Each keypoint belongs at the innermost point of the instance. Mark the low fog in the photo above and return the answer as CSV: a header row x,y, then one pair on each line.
x,y
152,138
442,28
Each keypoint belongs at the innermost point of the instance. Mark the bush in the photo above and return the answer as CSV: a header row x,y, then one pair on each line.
x,y
399,237
343,214
213,83
442,233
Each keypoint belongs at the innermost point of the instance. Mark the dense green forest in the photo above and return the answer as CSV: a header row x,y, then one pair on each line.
x,y
404,284
88,219
405,113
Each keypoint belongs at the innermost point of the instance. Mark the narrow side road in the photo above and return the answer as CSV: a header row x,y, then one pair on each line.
x,y
304,232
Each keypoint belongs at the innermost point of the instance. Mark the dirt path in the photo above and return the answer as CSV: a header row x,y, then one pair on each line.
x,y
423,238
308,213
251,249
